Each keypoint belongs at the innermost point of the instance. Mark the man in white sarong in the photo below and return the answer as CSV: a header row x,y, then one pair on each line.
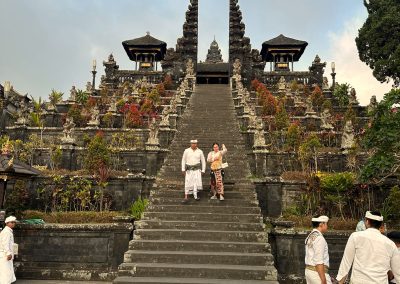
x,y
371,253
7,275
193,166
317,256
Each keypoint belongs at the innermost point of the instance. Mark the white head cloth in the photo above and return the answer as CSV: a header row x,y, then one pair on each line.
x,y
369,215
10,219
193,141
321,219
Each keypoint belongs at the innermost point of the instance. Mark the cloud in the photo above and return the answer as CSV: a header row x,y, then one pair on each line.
x,y
349,68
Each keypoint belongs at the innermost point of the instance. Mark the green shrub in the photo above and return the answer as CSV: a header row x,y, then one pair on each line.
x,y
391,206
138,208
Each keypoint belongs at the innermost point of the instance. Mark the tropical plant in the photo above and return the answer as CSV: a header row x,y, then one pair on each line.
x,y
309,150
55,97
382,140
81,97
97,153
341,93
138,208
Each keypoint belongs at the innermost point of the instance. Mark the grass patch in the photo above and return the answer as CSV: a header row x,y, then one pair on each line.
x,y
86,217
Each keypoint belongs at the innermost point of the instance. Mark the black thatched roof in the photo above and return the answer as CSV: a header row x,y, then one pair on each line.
x,y
283,44
8,166
212,68
144,44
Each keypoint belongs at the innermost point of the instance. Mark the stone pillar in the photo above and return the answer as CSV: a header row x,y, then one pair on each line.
x,y
164,136
250,138
68,157
172,120
152,151
260,153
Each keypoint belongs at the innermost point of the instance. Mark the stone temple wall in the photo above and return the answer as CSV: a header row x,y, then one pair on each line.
x,y
71,252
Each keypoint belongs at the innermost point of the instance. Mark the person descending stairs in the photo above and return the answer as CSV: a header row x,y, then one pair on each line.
x,y
206,241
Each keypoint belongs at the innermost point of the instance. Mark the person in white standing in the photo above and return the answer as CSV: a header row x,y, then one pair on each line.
x,y
317,256
395,237
193,167
7,275
371,254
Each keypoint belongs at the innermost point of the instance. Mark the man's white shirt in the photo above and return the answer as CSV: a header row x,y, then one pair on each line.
x,y
192,158
316,249
372,256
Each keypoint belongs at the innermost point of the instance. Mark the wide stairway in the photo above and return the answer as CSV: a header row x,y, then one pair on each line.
x,y
206,241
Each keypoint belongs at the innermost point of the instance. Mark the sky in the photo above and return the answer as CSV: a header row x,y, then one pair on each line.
x,y
50,44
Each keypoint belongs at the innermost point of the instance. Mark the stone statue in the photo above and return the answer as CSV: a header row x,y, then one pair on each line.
x,y
326,120
22,113
252,121
310,109
325,84
113,106
373,104
237,67
348,136
173,108
259,138
69,127
298,101
89,87
189,67
165,117
353,97
72,94
95,117
282,84
126,92
153,135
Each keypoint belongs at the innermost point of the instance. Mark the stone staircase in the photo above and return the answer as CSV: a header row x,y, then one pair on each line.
x,y
206,241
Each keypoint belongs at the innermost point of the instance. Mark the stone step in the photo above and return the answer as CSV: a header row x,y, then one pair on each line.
x,y
199,225
205,200
177,216
238,272
246,195
195,257
206,235
195,208
166,280
206,246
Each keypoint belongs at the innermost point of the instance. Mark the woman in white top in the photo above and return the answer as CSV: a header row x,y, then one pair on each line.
x,y
215,158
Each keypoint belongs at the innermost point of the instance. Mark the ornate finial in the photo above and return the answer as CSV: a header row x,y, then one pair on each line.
x,y
148,33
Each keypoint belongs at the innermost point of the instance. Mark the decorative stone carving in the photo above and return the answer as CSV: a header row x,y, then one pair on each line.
x,y
189,67
95,117
72,94
282,84
153,142
325,84
89,87
310,109
259,138
165,117
373,104
69,127
113,105
326,120
348,136
353,97
298,101
237,67
126,92
22,113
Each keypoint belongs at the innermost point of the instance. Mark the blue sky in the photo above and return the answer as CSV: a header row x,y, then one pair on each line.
x,y
49,44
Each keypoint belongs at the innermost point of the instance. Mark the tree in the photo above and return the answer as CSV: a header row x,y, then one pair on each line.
x,y
382,140
97,154
55,97
378,40
342,94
